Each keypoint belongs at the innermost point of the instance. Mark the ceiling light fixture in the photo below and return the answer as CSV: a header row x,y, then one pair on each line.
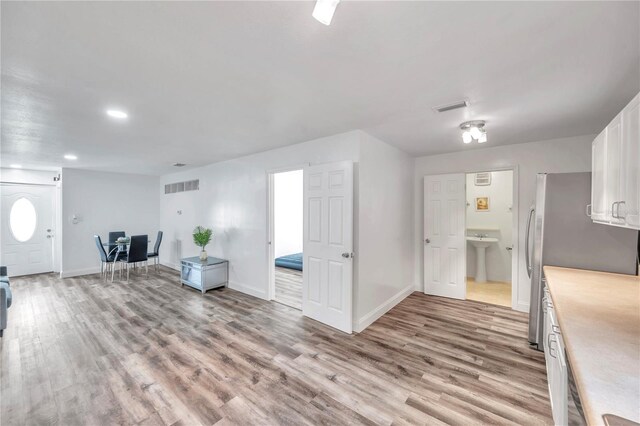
x,y
114,113
70,157
16,166
473,131
324,10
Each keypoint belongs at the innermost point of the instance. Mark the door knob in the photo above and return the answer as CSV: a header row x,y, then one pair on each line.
x,y
347,255
427,241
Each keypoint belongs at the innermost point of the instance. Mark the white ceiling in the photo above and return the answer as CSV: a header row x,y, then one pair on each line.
x,y
208,81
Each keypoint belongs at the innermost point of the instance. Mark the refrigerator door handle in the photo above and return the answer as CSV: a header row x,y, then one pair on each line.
x,y
526,242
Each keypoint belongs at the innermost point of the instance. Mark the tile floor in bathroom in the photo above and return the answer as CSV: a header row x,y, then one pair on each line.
x,y
494,292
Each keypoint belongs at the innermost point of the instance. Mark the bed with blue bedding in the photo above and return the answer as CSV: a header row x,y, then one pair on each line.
x,y
291,261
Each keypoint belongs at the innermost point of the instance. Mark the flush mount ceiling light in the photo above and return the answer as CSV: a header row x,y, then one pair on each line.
x,y
115,113
324,10
70,157
473,131
16,166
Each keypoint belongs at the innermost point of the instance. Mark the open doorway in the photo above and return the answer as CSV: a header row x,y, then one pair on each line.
x,y
489,236
287,238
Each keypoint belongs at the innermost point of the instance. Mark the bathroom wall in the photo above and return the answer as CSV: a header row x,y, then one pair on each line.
x,y
288,212
496,222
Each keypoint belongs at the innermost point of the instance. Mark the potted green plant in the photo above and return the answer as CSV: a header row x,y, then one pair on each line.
x,y
201,237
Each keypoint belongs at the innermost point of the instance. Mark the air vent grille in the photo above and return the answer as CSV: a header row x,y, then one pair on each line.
x,y
483,179
452,106
190,185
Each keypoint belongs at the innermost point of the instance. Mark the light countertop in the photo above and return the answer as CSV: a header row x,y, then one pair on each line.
x,y
599,317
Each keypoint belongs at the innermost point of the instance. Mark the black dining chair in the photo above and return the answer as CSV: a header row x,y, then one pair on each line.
x,y
137,252
104,258
155,254
113,237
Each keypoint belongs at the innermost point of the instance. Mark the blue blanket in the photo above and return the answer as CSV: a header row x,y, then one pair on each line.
x,y
291,261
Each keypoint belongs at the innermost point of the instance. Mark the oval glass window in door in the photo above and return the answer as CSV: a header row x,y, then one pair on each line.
x,y
22,220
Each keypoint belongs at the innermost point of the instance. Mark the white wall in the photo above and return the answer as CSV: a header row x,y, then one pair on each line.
x,y
385,268
39,177
232,200
558,155
288,212
104,202
497,222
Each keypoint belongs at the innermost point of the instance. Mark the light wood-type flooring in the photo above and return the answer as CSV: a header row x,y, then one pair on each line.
x,y
289,287
494,292
83,351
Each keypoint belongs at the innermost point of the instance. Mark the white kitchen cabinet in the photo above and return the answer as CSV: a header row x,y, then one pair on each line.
x,y
557,371
630,171
615,186
598,178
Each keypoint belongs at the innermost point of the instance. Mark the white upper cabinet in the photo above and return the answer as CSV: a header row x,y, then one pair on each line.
x,y
630,171
598,177
615,186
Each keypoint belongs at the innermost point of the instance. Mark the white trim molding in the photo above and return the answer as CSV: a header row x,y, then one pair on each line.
x,y
251,291
79,272
385,307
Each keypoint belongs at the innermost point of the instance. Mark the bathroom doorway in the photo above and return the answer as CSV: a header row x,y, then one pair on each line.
x,y
489,235
286,239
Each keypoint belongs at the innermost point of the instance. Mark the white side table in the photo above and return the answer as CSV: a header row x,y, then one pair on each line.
x,y
204,275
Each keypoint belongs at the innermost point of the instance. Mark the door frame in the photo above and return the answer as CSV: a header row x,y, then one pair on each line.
x,y
56,246
515,217
271,257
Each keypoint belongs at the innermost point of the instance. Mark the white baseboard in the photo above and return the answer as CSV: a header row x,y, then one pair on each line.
x,y
171,265
522,307
251,291
79,272
372,316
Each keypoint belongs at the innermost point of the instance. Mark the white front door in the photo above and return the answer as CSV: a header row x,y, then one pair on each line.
x,y
27,228
444,235
328,244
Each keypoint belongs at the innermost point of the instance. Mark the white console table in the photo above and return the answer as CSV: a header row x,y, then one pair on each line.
x,y
204,275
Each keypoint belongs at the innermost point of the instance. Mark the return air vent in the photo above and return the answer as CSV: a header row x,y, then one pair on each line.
x,y
190,185
452,106
483,179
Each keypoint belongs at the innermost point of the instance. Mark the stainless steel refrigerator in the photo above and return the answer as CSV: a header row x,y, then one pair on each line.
x,y
562,234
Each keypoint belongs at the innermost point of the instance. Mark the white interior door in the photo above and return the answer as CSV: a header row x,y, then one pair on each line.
x,y
27,228
328,244
444,235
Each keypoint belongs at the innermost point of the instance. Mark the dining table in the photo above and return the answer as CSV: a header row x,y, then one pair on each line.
x,y
115,248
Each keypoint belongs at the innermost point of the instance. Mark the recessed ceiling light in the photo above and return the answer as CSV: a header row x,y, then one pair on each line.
x,y
115,113
324,9
16,166
70,157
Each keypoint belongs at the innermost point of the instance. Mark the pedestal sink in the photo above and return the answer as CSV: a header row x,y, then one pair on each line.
x,y
481,244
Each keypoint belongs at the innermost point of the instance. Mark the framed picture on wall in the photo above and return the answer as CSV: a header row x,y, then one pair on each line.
x,y
482,204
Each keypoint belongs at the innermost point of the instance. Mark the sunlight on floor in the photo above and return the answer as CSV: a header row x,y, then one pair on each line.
x,y
496,293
